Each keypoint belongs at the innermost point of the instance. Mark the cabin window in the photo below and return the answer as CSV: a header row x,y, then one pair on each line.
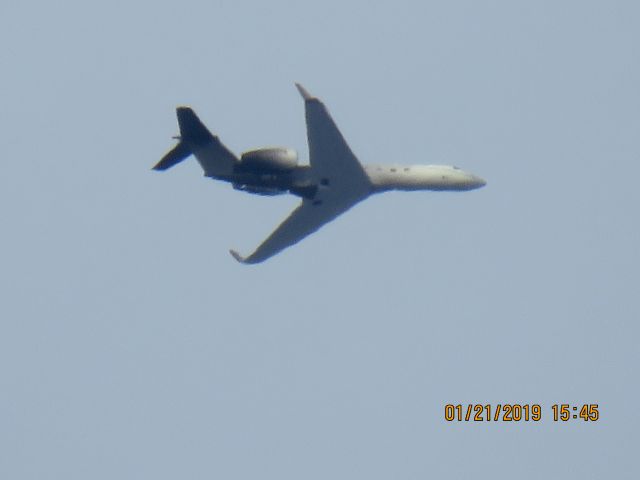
x,y
406,169
393,169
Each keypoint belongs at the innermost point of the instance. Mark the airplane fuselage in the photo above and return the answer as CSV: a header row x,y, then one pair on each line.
x,y
302,182
421,177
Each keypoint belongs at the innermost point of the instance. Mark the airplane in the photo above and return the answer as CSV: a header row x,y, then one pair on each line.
x,y
332,183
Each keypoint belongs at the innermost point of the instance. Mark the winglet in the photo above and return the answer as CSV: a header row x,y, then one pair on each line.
x,y
237,256
303,91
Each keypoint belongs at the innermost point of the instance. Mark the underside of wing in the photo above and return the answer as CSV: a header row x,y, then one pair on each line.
x,y
303,221
329,154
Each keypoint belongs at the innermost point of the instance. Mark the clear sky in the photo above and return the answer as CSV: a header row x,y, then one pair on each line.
x,y
133,346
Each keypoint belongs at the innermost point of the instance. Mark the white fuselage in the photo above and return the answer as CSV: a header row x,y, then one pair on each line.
x,y
381,178
421,177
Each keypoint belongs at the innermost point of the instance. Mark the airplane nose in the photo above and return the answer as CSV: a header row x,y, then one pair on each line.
x,y
477,181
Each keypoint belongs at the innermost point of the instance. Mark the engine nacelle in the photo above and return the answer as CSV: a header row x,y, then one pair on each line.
x,y
269,160
266,191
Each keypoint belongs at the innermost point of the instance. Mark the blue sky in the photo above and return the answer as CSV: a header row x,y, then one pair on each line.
x,y
133,346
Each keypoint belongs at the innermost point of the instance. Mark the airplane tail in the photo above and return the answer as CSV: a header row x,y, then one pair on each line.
x,y
173,157
195,138
192,132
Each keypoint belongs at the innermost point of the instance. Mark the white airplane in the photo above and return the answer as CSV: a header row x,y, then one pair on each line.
x,y
332,183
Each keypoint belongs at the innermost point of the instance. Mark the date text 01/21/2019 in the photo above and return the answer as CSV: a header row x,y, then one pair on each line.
x,y
519,412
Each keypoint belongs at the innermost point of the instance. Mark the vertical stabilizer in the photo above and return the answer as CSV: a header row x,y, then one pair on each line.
x,y
196,139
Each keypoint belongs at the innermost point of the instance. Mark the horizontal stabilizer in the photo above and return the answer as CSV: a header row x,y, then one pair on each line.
x,y
173,157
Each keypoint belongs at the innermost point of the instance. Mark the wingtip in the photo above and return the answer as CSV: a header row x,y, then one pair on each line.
x,y
303,91
237,256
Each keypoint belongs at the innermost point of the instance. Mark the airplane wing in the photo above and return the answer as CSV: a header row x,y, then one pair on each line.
x,y
329,155
342,182
303,221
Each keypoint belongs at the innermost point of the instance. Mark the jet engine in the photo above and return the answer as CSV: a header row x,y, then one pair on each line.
x,y
266,191
268,160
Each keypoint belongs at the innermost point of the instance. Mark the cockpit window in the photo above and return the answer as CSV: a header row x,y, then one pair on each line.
x,y
456,167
